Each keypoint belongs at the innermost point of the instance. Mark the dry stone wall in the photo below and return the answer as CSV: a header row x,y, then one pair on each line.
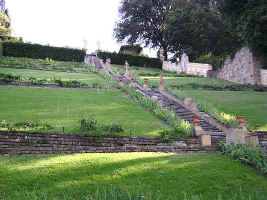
x,y
23,143
264,77
244,68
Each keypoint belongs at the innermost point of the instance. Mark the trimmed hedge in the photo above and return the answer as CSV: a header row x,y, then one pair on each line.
x,y
140,61
1,49
37,51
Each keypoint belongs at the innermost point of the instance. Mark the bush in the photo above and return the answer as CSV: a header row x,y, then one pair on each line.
x,y
1,49
246,154
215,61
140,61
37,51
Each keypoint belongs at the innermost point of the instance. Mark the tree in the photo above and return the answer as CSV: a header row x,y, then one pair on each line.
x,y
144,21
197,28
5,30
249,19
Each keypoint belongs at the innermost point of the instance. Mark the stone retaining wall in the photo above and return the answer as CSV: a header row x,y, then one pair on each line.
x,y
23,143
264,77
263,140
243,68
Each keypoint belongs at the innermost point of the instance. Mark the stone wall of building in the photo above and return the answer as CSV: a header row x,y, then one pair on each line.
x,y
190,68
264,77
244,68
23,143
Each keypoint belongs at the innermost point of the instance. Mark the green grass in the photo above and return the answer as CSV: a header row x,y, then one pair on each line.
x,y
251,105
66,107
165,176
43,64
89,79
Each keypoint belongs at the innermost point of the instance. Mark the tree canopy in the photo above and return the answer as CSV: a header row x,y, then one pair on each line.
x,y
5,30
144,21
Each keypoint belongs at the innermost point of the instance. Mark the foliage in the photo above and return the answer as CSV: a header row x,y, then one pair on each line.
x,y
141,61
144,21
92,125
25,126
215,61
131,49
5,30
198,29
9,77
234,87
1,49
246,154
19,49
248,18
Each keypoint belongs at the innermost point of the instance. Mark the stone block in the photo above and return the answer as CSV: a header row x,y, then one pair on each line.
x,y
205,140
236,136
199,131
252,140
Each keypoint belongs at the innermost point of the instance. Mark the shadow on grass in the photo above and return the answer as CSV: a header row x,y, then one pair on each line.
x,y
166,175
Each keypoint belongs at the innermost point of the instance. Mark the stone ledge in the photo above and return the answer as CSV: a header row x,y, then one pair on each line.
x,y
37,143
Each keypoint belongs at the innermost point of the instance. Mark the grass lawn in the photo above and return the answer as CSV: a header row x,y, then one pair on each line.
x,y
163,176
90,79
43,64
66,107
251,105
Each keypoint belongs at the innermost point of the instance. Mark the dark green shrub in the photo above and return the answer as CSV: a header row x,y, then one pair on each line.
x,y
37,51
246,154
215,61
1,49
140,61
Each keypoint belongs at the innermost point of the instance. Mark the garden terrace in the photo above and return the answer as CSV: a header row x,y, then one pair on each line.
x,y
67,107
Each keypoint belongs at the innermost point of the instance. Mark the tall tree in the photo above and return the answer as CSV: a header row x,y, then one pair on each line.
x,y
198,29
5,30
249,18
144,21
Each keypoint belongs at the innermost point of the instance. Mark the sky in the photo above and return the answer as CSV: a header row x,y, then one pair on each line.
x,y
72,23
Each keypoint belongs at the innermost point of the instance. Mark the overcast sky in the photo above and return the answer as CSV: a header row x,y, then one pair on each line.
x,y
66,22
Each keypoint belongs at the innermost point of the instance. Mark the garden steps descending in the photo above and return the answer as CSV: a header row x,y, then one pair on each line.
x,y
168,101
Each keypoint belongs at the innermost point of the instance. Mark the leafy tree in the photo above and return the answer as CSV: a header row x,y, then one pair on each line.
x,y
5,29
144,21
198,29
249,18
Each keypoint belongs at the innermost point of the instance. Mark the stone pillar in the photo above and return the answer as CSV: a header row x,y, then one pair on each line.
x,y
146,88
108,62
237,135
161,83
126,69
121,81
205,140
132,84
118,72
253,140
184,62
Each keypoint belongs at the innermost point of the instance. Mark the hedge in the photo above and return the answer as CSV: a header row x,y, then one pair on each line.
x,y
1,49
37,51
140,61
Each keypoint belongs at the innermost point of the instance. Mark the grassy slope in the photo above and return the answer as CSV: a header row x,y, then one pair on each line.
x,y
251,105
168,176
65,107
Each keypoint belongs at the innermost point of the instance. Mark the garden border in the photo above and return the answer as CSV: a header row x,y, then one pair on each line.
x,y
25,143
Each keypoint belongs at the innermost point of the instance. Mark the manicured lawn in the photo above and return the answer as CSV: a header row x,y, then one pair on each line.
x,y
12,62
66,107
163,176
90,79
251,105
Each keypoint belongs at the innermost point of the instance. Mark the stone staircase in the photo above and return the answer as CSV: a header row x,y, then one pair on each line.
x,y
171,102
